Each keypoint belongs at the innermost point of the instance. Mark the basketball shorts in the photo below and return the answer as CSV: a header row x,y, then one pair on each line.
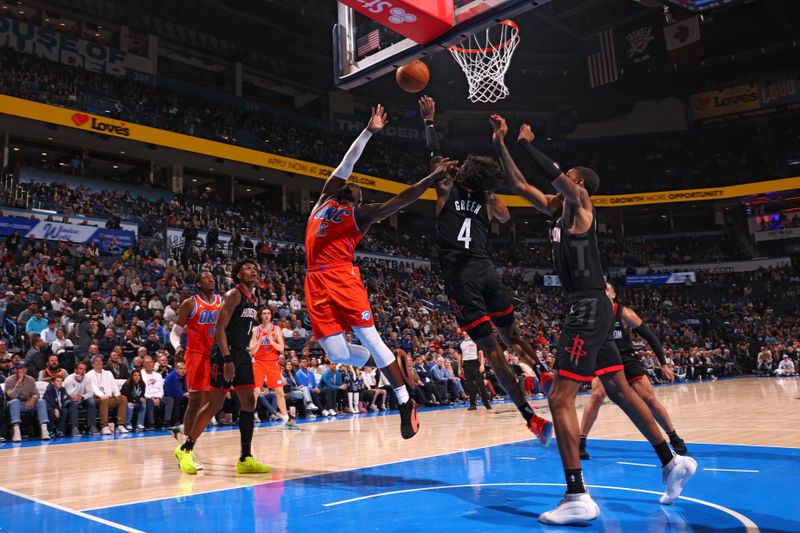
x,y
267,374
586,347
337,301
634,369
478,301
198,370
243,364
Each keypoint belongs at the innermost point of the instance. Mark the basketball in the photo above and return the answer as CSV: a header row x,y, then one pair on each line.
x,y
413,77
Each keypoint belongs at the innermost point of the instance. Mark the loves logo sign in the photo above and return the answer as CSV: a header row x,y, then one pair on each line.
x,y
101,125
728,101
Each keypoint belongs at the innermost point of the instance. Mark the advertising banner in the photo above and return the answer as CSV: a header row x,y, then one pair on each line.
x,y
72,51
779,92
58,231
777,234
725,101
725,267
676,278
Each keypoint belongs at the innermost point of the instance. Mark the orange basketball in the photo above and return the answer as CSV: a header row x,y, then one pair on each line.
x,y
413,77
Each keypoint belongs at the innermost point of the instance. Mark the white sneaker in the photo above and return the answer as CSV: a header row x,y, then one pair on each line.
x,y
45,433
324,412
122,429
311,407
311,416
213,421
105,431
256,420
675,474
17,436
572,509
384,408
373,408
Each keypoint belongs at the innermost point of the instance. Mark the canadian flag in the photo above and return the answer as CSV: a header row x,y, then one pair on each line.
x,y
683,40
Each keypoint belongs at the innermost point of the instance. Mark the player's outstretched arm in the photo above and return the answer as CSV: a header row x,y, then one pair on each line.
x,y
633,321
497,209
377,121
545,203
371,213
427,109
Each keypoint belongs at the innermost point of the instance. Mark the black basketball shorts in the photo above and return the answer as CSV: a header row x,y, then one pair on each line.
x,y
243,363
586,347
634,369
479,301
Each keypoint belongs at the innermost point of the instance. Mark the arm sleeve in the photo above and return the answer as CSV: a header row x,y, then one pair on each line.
x,y
175,336
647,334
432,140
345,168
543,163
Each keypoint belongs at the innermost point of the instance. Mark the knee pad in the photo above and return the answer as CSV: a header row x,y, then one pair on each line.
x,y
481,331
371,340
339,351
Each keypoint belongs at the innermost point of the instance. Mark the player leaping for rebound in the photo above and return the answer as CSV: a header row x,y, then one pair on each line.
x,y
336,298
198,317
465,207
626,318
586,347
231,367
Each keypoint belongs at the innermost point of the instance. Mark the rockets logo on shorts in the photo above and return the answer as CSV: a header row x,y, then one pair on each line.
x,y
365,315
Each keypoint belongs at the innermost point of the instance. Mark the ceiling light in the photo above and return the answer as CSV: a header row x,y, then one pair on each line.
x,y
122,151
114,166
194,180
249,190
44,153
211,169
16,148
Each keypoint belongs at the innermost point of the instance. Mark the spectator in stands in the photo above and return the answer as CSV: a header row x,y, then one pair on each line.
x,y
131,345
151,344
108,342
176,395
333,390
107,394
34,357
456,389
62,346
51,370
117,364
295,342
133,390
35,324
80,391
305,378
371,391
786,367
153,392
6,369
440,380
23,397
162,363
426,381
60,407
48,334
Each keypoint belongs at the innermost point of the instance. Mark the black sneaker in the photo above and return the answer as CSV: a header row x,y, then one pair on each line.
x,y
409,424
678,445
582,451
472,407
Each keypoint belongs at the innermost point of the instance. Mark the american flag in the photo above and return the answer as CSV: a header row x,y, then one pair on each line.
x,y
601,59
368,43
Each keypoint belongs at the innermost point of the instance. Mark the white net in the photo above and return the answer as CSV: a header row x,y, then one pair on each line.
x,y
484,58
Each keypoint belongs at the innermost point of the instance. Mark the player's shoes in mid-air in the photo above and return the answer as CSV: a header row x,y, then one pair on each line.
x,y
543,429
409,424
251,466
572,509
675,474
582,450
186,461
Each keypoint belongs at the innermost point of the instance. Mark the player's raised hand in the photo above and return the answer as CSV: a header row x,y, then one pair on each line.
x,y
526,133
427,107
444,168
499,127
378,120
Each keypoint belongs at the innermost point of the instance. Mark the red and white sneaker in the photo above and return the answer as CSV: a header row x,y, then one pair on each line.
x,y
572,509
543,429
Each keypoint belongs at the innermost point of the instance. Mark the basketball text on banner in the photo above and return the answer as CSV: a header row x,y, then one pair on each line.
x,y
419,20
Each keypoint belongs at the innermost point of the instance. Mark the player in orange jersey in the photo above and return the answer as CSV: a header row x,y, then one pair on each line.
x,y
266,345
336,298
197,316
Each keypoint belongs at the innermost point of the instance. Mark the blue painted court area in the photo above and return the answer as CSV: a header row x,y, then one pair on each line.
x,y
499,489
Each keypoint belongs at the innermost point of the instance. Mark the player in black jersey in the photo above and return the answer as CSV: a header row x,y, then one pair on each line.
x,y
626,319
231,367
465,207
586,347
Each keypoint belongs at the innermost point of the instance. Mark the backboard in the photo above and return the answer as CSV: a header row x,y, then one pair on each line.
x,y
364,50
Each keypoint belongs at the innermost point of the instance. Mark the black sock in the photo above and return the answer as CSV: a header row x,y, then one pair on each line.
x,y
574,481
583,441
188,445
664,453
246,423
673,436
526,410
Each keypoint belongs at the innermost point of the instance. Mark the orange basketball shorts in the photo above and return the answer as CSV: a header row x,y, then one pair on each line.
x,y
337,301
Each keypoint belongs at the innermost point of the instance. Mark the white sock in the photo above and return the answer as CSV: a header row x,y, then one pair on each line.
x,y
402,394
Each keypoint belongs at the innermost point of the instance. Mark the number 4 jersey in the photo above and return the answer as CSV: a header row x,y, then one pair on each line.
x,y
462,232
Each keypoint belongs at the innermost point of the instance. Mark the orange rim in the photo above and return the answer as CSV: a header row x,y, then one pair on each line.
x,y
507,22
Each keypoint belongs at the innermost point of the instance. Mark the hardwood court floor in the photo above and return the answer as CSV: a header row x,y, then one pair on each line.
x,y
84,474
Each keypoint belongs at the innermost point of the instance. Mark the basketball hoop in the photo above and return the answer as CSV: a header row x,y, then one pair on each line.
x,y
485,63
